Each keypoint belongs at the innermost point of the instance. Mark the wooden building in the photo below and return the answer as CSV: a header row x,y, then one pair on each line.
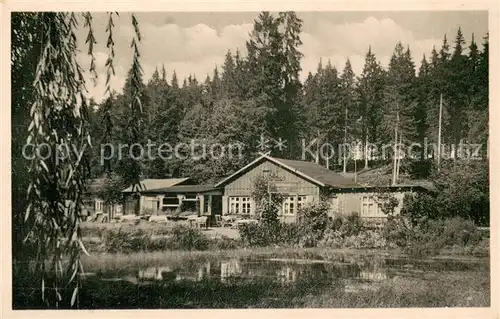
x,y
299,182
303,182
150,201
95,206
173,196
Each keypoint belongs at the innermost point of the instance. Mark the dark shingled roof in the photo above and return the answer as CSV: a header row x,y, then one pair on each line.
x,y
318,173
96,185
185,189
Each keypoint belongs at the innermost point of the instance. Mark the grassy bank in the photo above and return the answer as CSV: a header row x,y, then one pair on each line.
x,y
447,290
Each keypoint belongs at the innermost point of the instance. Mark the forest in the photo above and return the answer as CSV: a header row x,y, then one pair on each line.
x,y
260,94
249,96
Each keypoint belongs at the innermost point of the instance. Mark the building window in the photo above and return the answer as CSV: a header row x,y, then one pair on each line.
x,y
369,206
206,199
239,205
290,207
99,205
301,201
169,203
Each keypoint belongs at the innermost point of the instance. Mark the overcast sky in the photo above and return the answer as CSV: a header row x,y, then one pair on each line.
x,y
195,42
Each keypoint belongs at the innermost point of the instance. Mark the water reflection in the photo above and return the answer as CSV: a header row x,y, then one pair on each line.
x,y
287,275
345,273
373,275
229,268
286,271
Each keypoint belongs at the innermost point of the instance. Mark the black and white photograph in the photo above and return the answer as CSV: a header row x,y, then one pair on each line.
x,y
249,159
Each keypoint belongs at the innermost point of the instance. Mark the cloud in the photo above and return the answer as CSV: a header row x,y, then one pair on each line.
x,y
198,48
337,42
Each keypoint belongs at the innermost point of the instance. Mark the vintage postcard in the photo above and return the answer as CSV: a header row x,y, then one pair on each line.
x,y
280,157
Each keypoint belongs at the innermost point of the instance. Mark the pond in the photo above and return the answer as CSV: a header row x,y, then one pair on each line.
x,y
281,281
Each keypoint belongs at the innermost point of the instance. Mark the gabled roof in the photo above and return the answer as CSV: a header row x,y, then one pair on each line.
x,y
96,185
186,189
151,184
310,171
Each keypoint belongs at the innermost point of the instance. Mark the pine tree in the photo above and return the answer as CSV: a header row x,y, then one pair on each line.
x,y
163,74
274,61
444,53
422,106
216,85
458,90
370,91
348,98
174,82
399,95
473,60
228,76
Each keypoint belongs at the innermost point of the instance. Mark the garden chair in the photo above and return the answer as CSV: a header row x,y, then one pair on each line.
x,y
227,220
201,222
218,221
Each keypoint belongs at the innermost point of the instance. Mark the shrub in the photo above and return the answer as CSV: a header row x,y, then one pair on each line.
x,y
187,238
396,231
267,206
482,248
125,241
364,240
289,234
223,243
419,207
265,234
462,232
259,235
313,221
269,213
451,198
332,238
352,224
429,236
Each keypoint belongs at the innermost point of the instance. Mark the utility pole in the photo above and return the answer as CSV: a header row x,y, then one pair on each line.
x,y
399,158
395,149
356,167
317,148
366,150
439,132
328,154
345,141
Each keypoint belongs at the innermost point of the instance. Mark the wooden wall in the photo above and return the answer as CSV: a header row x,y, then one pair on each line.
x,y
349,202
243,185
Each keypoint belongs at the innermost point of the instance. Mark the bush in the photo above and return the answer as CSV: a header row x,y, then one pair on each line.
x,y
352,224
289,234
312,222
420,207
428,237
365,240
186,238
125,241
223,243
259,235
265,234
451,198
